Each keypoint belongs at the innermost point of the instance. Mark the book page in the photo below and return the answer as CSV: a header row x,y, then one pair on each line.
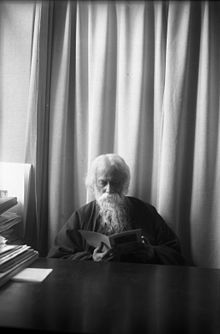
x,y
6,248
125,237
32,275
95,238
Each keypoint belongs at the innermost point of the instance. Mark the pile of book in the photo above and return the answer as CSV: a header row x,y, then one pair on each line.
x,y
9,221
13,257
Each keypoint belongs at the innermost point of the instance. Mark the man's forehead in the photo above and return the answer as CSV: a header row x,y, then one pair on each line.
x,y
105,169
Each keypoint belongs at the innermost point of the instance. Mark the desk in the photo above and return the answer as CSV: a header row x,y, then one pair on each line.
x,y
88,297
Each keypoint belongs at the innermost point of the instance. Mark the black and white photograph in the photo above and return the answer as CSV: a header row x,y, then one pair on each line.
x,y
109,167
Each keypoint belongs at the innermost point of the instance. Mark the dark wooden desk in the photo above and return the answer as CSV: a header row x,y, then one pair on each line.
x,y
87,297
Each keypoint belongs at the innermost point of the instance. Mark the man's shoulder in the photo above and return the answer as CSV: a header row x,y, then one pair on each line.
x,y
87,208
139,202
143,207
82,214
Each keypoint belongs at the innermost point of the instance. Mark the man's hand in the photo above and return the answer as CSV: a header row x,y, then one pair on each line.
x,y
134,252
99,254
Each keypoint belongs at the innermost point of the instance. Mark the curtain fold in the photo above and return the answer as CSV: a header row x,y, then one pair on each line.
x,y
62,117
205,213
37,132
140,79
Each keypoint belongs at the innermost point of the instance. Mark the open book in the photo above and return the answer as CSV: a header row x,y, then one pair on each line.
x,y
95,239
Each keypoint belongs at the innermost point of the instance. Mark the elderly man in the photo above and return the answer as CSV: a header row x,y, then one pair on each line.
x,y
113,212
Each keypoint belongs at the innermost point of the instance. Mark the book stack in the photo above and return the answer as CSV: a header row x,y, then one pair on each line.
x,y
9,221
13,257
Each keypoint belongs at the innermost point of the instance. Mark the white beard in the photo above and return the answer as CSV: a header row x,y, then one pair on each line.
x,y
113,212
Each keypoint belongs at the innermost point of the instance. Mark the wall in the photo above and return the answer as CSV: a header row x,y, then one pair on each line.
x,y
16,19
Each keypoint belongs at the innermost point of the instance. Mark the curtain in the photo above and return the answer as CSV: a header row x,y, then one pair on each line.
x,y
140,79
37,130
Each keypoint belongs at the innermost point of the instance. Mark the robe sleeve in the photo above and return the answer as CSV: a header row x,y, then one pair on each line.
x,y
69,243
164,245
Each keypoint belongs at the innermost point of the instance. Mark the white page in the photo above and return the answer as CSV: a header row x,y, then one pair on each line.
x,y
32,275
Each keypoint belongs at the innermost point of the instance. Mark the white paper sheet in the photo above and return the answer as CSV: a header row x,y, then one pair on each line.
x,y
32,275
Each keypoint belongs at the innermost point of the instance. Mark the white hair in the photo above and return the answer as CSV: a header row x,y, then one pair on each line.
x,y
114,160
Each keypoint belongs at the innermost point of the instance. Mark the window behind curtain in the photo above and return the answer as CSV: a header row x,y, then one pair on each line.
x,y
16,19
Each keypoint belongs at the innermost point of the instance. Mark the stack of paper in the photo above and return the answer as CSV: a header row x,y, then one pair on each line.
x,y
9,220
14,256
13,259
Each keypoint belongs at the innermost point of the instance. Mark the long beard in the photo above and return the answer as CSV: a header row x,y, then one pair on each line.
x,y
113,212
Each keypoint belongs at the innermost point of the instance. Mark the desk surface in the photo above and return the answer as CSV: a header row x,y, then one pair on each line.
x,y
88,297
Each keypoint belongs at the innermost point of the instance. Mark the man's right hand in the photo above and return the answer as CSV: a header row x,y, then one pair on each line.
x,y
98,255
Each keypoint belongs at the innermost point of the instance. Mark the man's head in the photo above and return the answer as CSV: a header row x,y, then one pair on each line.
x,y
109,178
109,174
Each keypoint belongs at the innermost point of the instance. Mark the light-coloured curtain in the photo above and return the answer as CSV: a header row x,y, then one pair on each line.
x,y
140,79
37,130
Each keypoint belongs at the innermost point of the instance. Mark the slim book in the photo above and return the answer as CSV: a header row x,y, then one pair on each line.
x,y
6,203
4,257
95,239
7,220
16,260
6,248
3,241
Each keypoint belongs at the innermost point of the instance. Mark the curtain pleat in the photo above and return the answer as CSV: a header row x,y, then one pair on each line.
x,y
37,132
204,213
62,117
140,79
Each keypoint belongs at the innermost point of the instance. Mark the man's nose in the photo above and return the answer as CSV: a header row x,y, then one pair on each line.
x,y
108,188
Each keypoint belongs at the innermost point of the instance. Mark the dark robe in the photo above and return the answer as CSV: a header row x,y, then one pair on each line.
x,y
162,245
